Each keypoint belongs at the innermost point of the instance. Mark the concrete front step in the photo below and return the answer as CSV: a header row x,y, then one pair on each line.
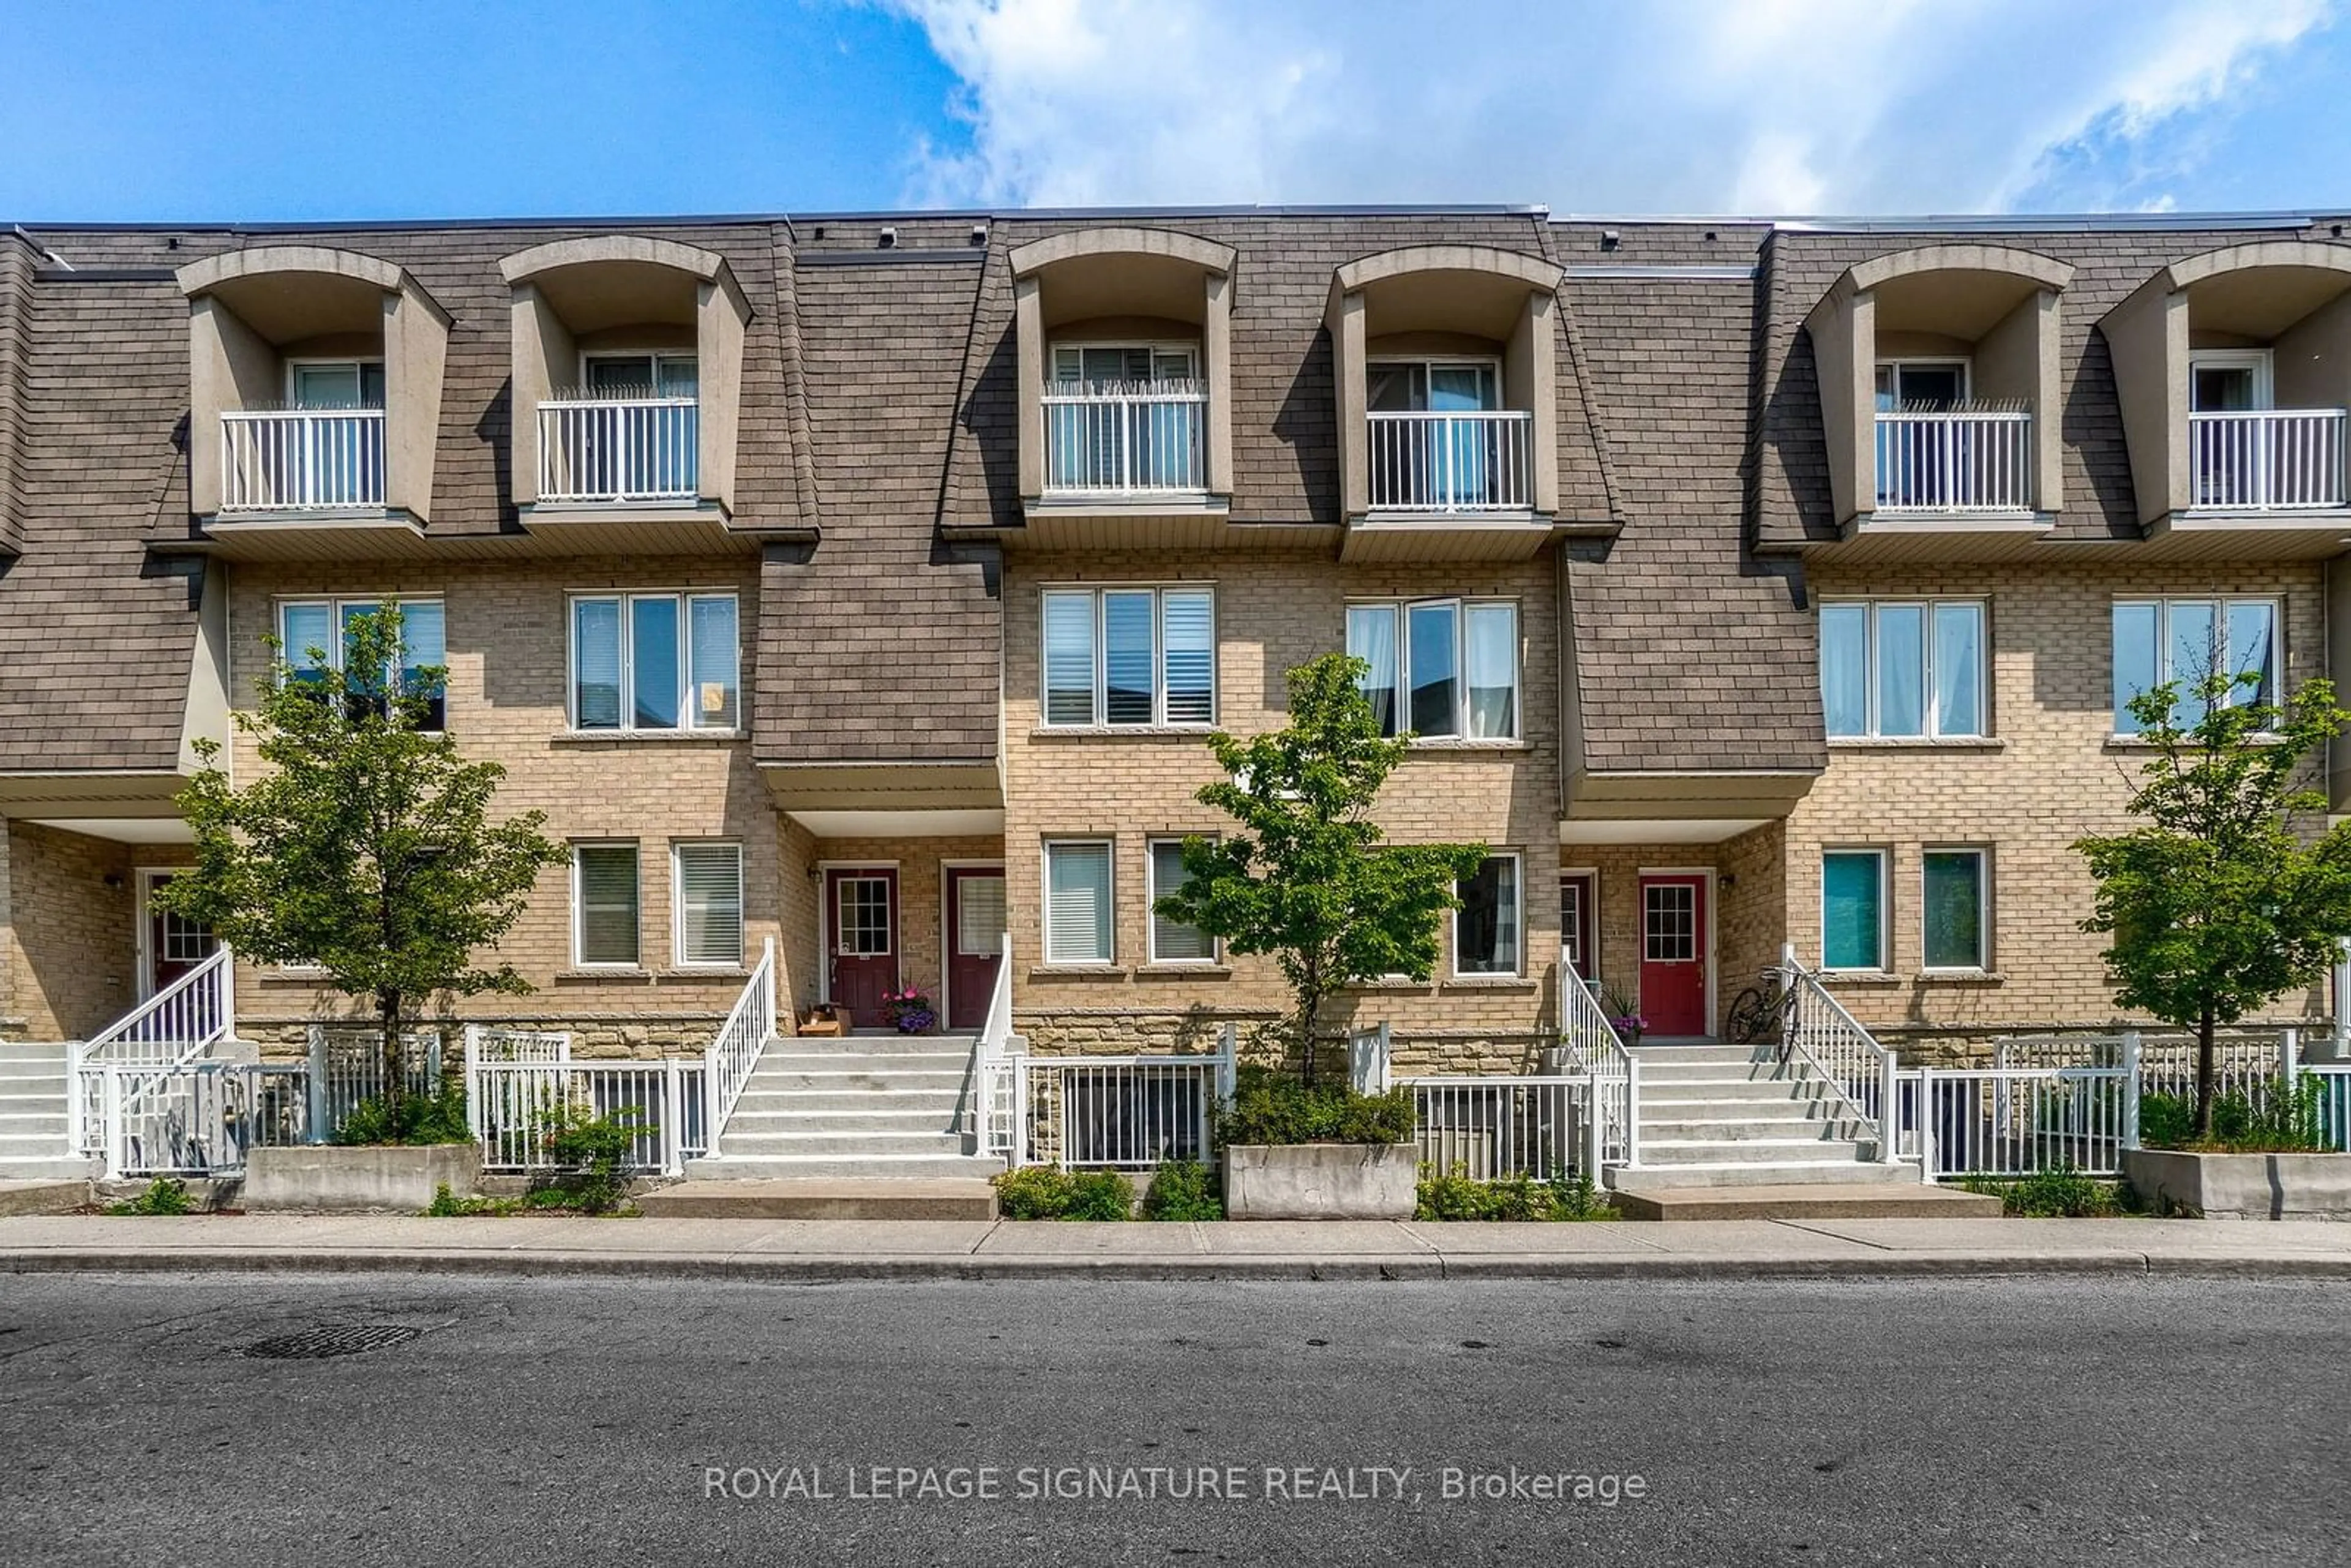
x,y
1790,1172
1817,1201
1678,1073
871,1045
1746,1151
795,1084
879,1115
824,1102
53,1166
862,1062
1662,1055
971,1197
859,1168
836,1144
1747,1129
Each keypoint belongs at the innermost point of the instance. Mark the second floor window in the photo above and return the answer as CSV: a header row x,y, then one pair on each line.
x,y
1909,670
1078,927
1129,656
2185,639
1442,668
315,635
654,661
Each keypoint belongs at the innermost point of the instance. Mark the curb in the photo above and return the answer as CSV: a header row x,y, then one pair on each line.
x,y
817,1270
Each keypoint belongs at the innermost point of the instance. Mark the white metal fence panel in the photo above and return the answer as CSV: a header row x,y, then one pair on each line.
x,y
1451,462
618,449
1149,438
1123,1112
346,1068
513,1106
1491,1128
1955,462
1993,1122
285,459
2265,459
484,1043
200,1118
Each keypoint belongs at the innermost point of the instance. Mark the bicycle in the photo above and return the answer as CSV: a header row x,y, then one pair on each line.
x,y
1762,1008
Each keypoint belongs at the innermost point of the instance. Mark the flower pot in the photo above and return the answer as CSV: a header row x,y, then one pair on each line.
x,y
2242,1186
1321,1181
362,1178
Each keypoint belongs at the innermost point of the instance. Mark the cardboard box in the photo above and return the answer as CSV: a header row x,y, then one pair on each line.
x,y
817,1023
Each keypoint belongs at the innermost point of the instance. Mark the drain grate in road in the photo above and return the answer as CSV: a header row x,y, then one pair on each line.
x,y
318,1345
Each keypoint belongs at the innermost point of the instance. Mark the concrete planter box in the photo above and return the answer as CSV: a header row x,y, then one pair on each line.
x,y
1321,1181
2242,1186
359,1179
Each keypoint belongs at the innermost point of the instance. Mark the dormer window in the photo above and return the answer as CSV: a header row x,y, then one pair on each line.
x,y
1921,386
325,384
643,376
1125,417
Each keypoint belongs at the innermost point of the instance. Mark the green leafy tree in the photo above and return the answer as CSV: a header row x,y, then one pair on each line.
x,y
363,845
1308,879
2221,899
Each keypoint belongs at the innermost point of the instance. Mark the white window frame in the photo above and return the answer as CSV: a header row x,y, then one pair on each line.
x,y
1151,904
334,651
1983,910
653,356
579,908
678,957
1461,606
1929,708
1152,346
1519,923
1590,876
2260,361
1044,897
2221,604
1884,858
688,710
355,361
1895,361
1430,363
1100,593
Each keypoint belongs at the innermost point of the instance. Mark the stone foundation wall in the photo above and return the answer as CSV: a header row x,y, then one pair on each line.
x,y
594,1036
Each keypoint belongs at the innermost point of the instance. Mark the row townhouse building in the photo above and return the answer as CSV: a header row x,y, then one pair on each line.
x,y
868,585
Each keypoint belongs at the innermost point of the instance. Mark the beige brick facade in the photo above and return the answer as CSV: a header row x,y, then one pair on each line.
x,y
2050,772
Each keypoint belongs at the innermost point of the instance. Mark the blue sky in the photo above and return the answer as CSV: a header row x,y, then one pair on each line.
x,y
241,109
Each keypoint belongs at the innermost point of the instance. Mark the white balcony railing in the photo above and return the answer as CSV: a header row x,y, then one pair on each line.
x,y
618,449
292,459
1955,462
1106,441
2266,459
1451,462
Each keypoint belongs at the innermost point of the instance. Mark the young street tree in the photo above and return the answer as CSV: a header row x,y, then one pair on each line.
x,y
363,845
2215,903
1307,879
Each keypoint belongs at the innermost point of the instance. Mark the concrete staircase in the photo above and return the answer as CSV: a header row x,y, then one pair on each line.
x,y
1730,1115
33,1136
866,1107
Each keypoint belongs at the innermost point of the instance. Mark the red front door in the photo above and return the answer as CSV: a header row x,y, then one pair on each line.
x,y
175,944
862,933
1673,955
975,942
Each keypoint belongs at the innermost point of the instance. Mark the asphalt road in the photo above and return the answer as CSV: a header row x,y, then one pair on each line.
x,y
2042,1421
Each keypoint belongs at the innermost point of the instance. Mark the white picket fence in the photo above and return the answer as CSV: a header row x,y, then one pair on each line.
x,y
1122,1112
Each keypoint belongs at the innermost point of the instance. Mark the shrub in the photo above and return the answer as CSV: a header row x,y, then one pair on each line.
x,y
164,1194
589,1153
2063,1193
1099,1195
1270,1107
2277,1119
1035,1192
1454,1195
1182,1190
447,1205
416,1119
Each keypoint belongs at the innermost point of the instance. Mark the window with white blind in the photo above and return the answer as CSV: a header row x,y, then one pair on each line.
x,y
1078,901
604,905
1173,942
706,885
654,661
1129,656
1442,668
315,634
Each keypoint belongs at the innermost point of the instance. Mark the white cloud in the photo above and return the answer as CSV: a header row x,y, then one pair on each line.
x,y
1782,106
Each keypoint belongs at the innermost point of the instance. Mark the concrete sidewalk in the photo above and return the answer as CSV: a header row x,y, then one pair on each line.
x,y
788,1251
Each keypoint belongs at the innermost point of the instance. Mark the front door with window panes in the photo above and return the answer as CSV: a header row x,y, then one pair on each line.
x,y
1673,955
975,942
175,945
1134,423
1420,458
862,920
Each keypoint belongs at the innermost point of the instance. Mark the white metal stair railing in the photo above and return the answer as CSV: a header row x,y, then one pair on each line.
x,y
734,1051
1849,1060
1592,1047
1000,1073
201,1118
178,1024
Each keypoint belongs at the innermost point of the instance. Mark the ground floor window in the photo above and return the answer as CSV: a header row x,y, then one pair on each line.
x,y
605,904
1486,928
707,890
1172,942
1078,901
1951,905
1853,909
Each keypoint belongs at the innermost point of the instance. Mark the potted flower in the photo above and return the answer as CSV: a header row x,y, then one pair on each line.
x,y
1624,1015
909,1010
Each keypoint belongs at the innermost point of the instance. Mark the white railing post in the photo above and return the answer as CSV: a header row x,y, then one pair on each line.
x,y
2128,1137
1228,1059
318,1105
1890,1109
1928,1152
111,1114
673,1114
1632,1113
77,1110
768,989
2289,1055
